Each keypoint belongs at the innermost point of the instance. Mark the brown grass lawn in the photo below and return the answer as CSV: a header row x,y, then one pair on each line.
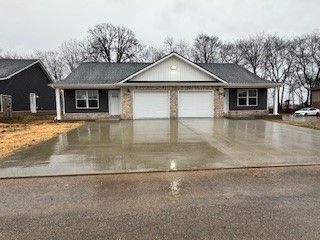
x,y
16,134
312,125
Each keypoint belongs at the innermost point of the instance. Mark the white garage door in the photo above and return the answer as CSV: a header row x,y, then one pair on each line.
x,y
151,104
195,104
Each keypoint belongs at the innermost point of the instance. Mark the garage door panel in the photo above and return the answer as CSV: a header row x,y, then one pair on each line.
x,y
195,104
151,104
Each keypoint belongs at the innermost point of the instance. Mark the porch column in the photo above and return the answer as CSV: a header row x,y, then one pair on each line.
x,y
63,103
58,104
275,101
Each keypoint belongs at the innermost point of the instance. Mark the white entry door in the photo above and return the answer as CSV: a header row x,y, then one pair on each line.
x,y
151,104
114,102
33,102
226,101
197,104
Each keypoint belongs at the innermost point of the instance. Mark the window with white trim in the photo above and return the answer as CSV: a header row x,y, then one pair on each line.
x,y
87,99
247,97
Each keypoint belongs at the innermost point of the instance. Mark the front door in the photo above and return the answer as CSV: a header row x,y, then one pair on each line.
x,y
33,102
114,102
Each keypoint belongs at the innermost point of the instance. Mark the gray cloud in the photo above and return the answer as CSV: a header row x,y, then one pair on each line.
x,y
36,24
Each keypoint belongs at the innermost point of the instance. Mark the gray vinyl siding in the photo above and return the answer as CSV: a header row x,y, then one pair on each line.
x,y
70,102
262,100
31,80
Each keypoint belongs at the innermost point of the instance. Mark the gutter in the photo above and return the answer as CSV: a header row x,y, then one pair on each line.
x,y
153,84
255,85
83,86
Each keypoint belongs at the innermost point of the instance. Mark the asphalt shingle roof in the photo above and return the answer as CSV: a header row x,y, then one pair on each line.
x,y
10,66
109,73
232,73
100,73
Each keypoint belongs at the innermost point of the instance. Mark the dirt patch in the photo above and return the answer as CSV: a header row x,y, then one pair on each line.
x,y
17,134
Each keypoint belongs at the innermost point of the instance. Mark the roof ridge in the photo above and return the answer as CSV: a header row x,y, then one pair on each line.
x,y
118,62
21,59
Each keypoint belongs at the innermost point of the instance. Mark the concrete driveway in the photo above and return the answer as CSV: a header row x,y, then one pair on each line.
x,y
166,145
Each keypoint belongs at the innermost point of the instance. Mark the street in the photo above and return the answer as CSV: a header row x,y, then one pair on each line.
x,y
264,203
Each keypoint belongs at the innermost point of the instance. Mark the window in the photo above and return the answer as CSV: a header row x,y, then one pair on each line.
x,y
247,97
114,94
87,99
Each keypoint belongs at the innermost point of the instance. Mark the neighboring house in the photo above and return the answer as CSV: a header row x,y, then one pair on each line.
x,y
315,97
27,83
172,87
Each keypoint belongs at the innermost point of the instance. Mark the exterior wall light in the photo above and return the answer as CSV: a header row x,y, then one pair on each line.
x,y
173,67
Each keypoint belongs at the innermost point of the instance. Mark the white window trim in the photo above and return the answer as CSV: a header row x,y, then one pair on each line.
x,y
87,100
247,98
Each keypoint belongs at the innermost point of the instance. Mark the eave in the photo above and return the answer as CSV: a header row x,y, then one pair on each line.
x,y
255,85
159,84
83,86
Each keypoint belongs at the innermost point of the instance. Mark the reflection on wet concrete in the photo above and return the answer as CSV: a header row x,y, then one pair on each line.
x,y
166,145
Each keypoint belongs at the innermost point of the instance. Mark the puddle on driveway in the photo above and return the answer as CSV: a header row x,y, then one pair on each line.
x,y
162,145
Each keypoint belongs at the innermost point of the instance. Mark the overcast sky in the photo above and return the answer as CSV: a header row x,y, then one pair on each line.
x,y
32,25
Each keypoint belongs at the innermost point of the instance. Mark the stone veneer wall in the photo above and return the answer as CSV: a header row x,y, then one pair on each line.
x,y
84,116
127,97
234,113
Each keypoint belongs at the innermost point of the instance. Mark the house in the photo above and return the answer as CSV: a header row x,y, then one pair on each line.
x,y
172,87
27,83
315,97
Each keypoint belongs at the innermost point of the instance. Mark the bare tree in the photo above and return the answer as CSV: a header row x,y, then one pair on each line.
x,y
307,61
10,55
152,54
184,49
230,53
278,62
253,51
100,42
169,45
181,47
53,63
112,44
126,45
72,53
206,48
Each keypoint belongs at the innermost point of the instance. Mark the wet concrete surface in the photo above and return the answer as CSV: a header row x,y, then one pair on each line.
x,y
267,203
166,145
